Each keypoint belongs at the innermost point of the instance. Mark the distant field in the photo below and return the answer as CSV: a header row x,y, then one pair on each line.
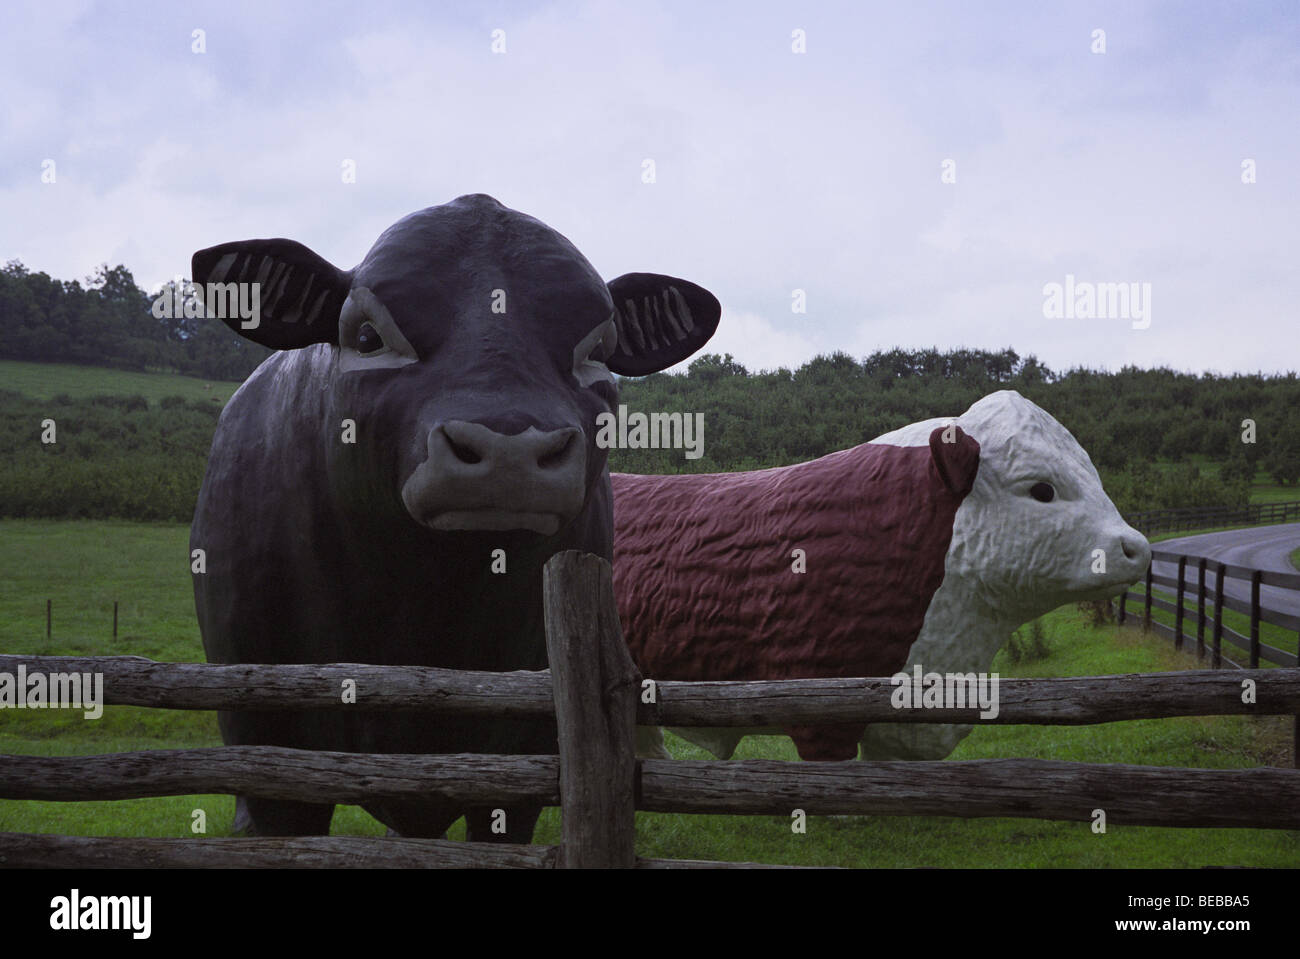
x,y
47,380
1262,487
83,566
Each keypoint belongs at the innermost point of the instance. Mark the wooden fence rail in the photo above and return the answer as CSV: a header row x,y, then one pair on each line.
x,y
1203,517
1066,701
595,694
1034,788
1210,603
1210,599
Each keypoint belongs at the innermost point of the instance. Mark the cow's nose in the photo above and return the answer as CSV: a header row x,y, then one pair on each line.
x,y
476,478
1135,547
472,444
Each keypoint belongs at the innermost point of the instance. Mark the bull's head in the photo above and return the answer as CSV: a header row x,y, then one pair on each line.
x,y
1038,530
474,347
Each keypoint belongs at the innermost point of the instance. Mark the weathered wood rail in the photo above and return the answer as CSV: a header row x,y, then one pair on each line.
x,y
596,697
1068,701
1210,598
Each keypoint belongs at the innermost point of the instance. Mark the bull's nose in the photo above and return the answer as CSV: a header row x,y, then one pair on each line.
x,y
471,444
1135,547
476,478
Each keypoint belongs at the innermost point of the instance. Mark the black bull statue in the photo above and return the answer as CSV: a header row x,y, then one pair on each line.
x,y
428,408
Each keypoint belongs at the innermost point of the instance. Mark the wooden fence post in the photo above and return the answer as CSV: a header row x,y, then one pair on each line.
x,y
1217,660
1123,612
1200,609
1146,613
1254,618
596,691
1179,613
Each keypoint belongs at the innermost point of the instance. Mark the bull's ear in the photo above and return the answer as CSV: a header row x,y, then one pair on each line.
x,y
661,321
956,456
299,294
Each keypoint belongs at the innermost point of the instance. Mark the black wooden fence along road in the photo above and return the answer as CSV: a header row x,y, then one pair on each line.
x,y
1207,517
1206,580
598,698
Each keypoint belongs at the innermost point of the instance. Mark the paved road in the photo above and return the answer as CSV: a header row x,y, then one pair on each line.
x,y
1260,547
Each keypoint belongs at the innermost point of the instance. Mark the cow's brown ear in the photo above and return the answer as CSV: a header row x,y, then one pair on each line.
x,y
956,456
298,296
661,321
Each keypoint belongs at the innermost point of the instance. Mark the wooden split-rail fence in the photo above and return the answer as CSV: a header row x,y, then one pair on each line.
x,y
597,698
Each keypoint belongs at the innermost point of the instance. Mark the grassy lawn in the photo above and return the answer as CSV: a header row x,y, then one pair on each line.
x,y
46,380
1263,490
1295,557
84,566
1269,634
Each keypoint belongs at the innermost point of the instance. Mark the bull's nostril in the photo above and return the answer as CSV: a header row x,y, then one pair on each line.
x,y
557,455
1130,551
462,452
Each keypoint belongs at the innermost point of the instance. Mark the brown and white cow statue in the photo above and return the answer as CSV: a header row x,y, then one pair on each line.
x,y
824,568
915,553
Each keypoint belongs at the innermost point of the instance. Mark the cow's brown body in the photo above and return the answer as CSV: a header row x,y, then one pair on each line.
x,y
704,567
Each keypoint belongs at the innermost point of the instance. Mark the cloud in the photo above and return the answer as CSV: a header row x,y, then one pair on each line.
x,y
758,344
775,171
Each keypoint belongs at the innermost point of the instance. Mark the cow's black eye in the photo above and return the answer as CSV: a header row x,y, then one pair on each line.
x,y
1043,492
368,339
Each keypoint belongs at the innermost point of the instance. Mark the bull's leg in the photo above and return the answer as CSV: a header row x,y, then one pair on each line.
x,y
414,820
520,821
282,817
650,743
275,817
243,824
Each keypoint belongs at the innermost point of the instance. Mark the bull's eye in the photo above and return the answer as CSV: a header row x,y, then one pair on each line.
x,y
589,356
368,339
1043,492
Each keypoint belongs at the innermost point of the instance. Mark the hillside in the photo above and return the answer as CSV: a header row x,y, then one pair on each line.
x,y
133,445
44,381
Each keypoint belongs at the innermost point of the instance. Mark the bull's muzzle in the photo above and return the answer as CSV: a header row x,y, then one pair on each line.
x,y
475,478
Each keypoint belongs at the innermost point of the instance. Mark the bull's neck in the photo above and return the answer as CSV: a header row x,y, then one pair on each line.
x,y
963,631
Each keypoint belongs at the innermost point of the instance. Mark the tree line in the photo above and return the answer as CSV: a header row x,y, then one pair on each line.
x,y
109,322
1150,432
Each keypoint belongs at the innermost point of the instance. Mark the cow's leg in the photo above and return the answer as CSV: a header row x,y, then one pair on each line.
x,y
414,820
519,823
650,743
283,817
834,743
275,817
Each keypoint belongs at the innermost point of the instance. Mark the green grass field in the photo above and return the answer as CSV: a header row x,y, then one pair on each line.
x,y
83,566
46,380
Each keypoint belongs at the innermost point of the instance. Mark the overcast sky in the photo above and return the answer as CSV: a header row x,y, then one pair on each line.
x,y
774,170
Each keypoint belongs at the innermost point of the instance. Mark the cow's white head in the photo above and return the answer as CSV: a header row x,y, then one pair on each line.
x,y
1037,530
